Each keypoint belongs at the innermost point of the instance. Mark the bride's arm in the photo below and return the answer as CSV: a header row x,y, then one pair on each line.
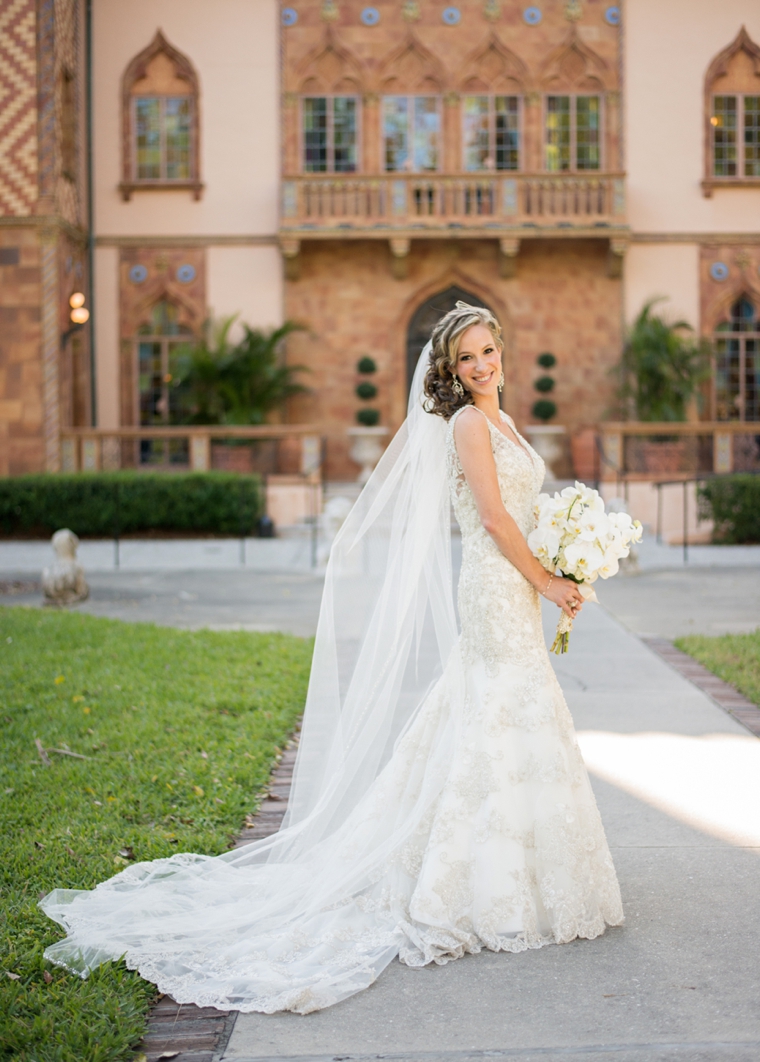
x,y
473,442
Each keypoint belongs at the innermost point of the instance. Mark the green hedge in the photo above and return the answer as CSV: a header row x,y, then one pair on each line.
x,y
102,504
733,504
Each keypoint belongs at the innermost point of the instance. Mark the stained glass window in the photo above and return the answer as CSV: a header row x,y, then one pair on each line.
x,y
735,122
572,133
163,134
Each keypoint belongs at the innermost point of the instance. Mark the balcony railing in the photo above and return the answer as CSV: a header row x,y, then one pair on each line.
x,y
270,449
400,201
667,452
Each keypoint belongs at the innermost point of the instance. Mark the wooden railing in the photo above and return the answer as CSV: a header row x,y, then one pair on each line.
x,y
399,201
666,451
293,448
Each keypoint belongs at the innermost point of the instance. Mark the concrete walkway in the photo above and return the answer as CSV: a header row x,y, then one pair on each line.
x,y
678,785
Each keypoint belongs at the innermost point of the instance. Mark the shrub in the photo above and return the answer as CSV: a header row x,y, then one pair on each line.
x,y
544,409
661,370
546,360
366,390
544,384
366,365
733,504
106,503
368,417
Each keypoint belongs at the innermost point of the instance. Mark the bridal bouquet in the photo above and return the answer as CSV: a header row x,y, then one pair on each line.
x,y
576,538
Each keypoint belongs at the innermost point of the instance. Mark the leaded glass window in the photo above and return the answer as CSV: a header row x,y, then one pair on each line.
x,y
491,133
572,133
411,133
163,135
330,134
737,364
160,398
735,122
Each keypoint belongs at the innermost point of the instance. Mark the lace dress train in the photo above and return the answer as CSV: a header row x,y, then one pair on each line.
x,y
481,831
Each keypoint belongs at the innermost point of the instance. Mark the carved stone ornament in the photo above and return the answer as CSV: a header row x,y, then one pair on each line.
x,y
329,12
492,10
573,10
410,12
64,582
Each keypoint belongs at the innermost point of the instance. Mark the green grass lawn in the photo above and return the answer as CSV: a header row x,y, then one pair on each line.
x,y
180,730
733,657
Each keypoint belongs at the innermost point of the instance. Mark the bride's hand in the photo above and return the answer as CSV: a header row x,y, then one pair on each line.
x,y
566,595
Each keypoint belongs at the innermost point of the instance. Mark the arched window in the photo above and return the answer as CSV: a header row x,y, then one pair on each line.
x,y
159,398
160,121
732,116
737,364
426,316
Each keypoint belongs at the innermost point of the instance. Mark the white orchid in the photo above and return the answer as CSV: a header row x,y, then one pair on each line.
x,y
574,536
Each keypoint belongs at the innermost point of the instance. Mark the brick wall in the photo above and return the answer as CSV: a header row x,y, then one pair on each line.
x,y
561,300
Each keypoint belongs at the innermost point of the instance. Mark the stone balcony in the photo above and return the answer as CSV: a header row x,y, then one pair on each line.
x,y
402,207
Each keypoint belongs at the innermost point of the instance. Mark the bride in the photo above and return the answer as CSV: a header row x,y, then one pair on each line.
x,y
440,804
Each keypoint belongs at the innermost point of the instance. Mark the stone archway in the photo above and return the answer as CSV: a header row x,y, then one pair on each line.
x,y
426,316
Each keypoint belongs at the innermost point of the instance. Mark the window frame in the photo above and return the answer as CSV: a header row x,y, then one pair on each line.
x,y
740,176
573,97
411,171
159,452
330,171
492,97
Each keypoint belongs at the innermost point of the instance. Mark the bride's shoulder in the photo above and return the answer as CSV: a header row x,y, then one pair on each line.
x,y
468,419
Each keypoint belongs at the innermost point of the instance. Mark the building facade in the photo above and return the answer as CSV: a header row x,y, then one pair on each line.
x,y
358,167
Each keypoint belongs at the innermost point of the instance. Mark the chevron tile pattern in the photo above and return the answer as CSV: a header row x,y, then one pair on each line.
x,y
18,115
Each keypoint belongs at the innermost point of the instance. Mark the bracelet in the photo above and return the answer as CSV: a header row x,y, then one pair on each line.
x,y
546,588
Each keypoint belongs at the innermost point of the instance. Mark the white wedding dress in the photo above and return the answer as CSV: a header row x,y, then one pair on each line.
x,y
478,830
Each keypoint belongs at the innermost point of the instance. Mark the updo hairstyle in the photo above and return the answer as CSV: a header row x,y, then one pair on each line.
x,y
442,399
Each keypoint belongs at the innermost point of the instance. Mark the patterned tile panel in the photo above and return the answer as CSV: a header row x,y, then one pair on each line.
x,y
18,115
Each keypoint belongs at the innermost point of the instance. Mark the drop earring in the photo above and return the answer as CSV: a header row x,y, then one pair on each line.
x,y
456,387
501,381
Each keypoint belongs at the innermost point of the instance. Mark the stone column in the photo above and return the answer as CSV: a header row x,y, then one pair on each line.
x,y
370,158
50,344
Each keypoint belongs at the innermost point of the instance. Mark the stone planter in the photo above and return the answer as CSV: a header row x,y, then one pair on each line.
x,y
548,440
366,449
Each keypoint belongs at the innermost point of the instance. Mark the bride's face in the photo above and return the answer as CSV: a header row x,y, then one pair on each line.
x,y
478,363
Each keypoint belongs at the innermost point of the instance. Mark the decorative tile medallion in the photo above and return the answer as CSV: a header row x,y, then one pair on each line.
x,y
370,16
289,16
612,16
532,15
452,16
186,274
719,271
138,273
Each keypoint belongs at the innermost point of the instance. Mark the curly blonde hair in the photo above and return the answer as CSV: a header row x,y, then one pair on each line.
x,y
442,399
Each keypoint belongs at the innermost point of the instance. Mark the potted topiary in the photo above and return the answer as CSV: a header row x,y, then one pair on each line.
x,y
545,438
366,440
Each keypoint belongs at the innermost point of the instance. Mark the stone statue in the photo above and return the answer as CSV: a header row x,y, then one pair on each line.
x,y
64,583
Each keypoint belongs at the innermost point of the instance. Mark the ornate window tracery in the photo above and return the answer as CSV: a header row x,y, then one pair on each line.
x,y
732,116
160,121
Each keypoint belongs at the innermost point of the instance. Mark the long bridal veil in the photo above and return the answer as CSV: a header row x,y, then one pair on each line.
x,y
302,919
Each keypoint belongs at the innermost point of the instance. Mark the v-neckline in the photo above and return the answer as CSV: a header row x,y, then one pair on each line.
x,y
516,441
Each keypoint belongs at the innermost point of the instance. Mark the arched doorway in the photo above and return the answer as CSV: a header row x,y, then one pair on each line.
x,y
426,316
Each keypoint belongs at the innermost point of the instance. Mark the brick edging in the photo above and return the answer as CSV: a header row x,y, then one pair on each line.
x,y
201,1034
722,693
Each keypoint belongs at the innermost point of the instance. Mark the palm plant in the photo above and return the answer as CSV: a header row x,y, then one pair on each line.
x,y
225,383
661,369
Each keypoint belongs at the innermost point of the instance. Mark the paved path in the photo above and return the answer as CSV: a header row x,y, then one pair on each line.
x,y
678,784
